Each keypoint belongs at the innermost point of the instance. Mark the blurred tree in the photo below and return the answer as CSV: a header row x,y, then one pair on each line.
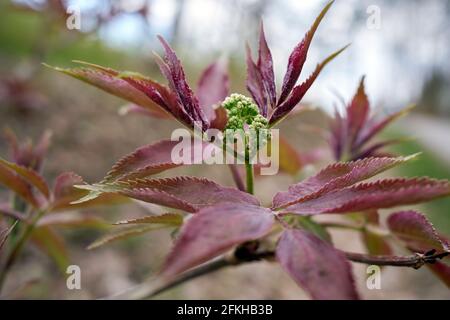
x,y
435,94
180,5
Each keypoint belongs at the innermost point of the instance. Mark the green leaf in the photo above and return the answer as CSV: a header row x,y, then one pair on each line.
x,y
66,194
308,224
376,244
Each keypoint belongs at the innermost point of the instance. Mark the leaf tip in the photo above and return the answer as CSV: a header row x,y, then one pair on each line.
x,y
90,196
413,156
92,246
52,67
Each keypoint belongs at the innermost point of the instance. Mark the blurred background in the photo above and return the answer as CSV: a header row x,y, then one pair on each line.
x,y
401,46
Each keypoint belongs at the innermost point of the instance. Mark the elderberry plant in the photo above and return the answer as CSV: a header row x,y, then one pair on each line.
x,y
36,211
222,226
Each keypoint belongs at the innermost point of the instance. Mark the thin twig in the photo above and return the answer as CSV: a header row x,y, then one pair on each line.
x,y
415,261
5,234
18,246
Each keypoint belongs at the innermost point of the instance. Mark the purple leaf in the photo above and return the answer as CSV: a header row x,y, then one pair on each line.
x,y
375,195
109,81
186,193
349,135
160,95
265,66
220,120
148,160
213,88
298,57
335,176
441,270
373,127
299,91
255,83
132,108
173,71
416,231
338,136
215,230
64,185
357,112
18,185
374,150
31,176
26,154
316,266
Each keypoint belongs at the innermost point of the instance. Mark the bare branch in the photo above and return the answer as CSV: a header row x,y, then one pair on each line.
x,y
415,261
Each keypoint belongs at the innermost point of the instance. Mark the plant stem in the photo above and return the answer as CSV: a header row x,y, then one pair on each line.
x,y
19,206
249,173
341,226
248,167
6,233
415,261
18,246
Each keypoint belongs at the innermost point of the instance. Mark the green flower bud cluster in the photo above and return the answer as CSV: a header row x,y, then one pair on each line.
x,y
241,110
258,123
243,114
